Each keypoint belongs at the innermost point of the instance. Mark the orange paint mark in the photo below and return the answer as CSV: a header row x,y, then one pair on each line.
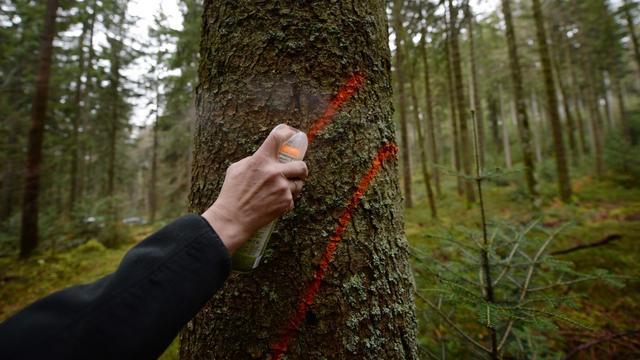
x,y
344,93
278,349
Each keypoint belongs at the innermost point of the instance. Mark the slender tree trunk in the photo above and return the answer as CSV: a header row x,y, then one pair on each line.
x,y
433,145
564,180
632,34
505,132
88,88
309,305
29,233
596,123
536,121
571,126
475,94
576,97
493,109
405,150
605,85
455,136
77,106
625,128
154,160
523,120
422,145
463,111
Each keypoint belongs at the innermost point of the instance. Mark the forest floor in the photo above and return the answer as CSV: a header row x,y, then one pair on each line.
x,y
600,209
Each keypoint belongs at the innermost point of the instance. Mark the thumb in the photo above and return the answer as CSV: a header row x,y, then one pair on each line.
x,y
277,137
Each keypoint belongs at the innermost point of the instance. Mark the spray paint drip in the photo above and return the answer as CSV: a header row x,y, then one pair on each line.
x,y
277,350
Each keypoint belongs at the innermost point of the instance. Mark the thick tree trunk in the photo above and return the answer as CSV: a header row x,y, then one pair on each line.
x,y
405,150
268,63
433,145
463,111
524,129
564,181
422,145
29,234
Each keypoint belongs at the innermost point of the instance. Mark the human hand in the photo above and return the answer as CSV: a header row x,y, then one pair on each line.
x,y
256,190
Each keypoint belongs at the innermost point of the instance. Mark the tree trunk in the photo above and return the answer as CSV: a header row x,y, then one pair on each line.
x,y
154,159
433,145
494,115
505,132
625,128
571,126
475,94
77,106
405,150
463,111
596,122
632,34
29,234
268,63
523,120
422,146
564,181
455,136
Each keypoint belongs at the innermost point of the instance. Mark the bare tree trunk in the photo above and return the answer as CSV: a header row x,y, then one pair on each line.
x,y
632,33
300,301
424,159
78,108
564,180
625,127
154,159
431,130
475,96
505,131
402,106
523,120
455,136
463,113
596,122
29,233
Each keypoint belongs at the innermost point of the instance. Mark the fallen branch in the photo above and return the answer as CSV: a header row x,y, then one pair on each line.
x,y
605,241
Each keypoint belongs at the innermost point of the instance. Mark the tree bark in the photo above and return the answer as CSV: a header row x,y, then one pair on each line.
x,y
29,232
405,151
267,63
463,113
564,181
524,129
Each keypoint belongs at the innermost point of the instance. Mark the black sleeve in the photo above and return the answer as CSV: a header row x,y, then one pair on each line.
x,y
133,313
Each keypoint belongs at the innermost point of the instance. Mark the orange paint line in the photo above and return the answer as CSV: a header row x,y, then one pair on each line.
x,y
278,349
344,94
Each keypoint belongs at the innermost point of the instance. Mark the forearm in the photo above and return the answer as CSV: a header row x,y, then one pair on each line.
x,y
136,311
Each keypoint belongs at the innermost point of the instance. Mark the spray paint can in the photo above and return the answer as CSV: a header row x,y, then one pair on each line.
x,y
249,255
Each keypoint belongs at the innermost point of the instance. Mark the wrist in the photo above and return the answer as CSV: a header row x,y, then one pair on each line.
x,y
230,231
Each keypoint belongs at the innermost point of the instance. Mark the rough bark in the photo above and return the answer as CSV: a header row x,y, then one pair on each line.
x,y
29,232
405,150
564,181
422,145
431,130
463,111
267,63
524,129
